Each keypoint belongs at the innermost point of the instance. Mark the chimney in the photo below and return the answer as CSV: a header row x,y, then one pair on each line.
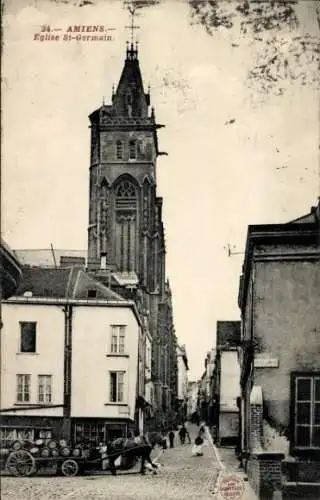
x,y
69,261
103,261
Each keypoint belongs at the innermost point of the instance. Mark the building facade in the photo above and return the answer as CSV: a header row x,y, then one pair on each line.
x,y
205,399
192,407
182,393
69,358
280,361
226,383
126,244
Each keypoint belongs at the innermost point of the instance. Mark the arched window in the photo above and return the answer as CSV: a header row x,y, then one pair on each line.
x,y
126,190
132,150
119,150
126,225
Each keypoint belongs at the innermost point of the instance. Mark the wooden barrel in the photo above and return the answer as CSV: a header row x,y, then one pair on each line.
x,y
16,445
54,452
76,452
27,445
52,444
63,443
34,450
45,452
39,442
65,451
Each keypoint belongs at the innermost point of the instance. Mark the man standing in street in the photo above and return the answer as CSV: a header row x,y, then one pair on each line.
x,y
171,438
182,434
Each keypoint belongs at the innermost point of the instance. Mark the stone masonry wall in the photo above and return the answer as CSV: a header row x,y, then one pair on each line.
x,y
287,308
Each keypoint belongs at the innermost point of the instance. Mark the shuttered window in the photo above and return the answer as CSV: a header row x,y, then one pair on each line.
x,y
23,388
116,387
132,150
44,388
119,150
28,336
307,411
118,334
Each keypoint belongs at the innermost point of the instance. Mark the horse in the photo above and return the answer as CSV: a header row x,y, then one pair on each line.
x,y
156,438
130,451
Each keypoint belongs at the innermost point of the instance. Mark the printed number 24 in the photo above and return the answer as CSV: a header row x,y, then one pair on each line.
x,y
45,27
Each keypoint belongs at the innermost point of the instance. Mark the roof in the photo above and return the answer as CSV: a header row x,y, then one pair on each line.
x,y
126,278
45,257
312,217
129,101
228,333
72,283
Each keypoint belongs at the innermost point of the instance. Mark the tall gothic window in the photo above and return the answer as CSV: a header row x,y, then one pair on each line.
x,y
119,150
132,150
126,223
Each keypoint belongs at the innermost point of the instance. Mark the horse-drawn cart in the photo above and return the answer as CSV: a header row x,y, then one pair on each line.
x,y
22,463
25,459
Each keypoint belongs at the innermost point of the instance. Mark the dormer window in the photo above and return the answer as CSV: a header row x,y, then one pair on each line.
x,y
119,150
92,294
132,150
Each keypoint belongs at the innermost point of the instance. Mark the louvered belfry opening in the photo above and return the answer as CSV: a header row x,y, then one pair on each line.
x,y
126,225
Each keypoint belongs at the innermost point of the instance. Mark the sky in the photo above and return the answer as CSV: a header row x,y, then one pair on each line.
x,y
235,156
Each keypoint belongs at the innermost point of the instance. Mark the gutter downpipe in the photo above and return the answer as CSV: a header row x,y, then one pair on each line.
x,y
67,371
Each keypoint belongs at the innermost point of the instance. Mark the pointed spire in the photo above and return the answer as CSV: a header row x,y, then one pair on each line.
x,y
129,99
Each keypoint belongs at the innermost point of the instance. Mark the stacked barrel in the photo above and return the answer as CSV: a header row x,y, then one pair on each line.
x,y
44,448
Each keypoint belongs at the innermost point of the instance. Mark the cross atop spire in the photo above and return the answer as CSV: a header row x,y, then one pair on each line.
x,y
132,26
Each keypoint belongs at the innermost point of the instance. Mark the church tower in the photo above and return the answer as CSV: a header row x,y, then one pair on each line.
x,y
126,244
125,234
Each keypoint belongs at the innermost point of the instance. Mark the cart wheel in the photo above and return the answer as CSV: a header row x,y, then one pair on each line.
x,y
69,467
16,445
21,463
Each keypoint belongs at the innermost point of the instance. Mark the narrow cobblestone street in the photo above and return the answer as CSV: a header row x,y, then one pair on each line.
x,y
181,476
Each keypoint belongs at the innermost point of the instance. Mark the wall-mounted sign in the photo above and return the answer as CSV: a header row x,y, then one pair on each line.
x,y
265,362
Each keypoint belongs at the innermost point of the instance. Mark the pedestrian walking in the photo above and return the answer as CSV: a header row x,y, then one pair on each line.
x,y
188,436
197,447
182,434
171,438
